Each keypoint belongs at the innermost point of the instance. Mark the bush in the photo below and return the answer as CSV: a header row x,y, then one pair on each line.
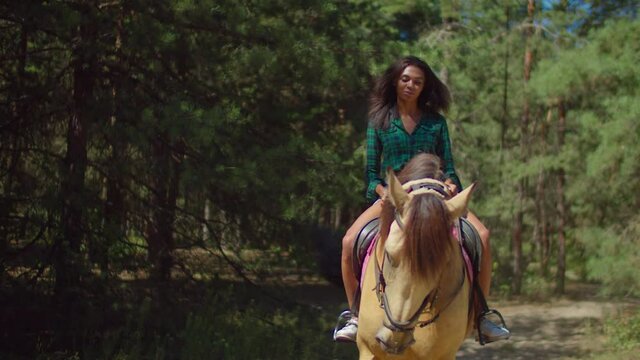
x,y
623,333
613,257
224,330
226,325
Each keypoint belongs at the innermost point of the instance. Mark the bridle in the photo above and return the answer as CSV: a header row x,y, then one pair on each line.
x,y
424,186
431,298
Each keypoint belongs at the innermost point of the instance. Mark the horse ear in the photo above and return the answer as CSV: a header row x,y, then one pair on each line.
x,y
458,204
395,191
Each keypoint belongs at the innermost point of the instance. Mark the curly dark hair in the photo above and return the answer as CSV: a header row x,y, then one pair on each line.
x,y
435,97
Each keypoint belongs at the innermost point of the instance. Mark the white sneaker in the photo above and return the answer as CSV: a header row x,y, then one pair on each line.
x,y
348,332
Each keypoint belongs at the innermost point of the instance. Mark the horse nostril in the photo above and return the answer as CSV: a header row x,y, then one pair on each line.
x,y
382,344
381,341
383,335
394,343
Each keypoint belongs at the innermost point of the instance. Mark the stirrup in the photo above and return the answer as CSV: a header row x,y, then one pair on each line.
x,y
343,318
484,315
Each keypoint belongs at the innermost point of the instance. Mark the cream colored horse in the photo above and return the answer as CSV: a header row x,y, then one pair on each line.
x,y
423,290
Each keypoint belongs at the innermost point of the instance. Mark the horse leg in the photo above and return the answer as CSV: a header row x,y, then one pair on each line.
x,y
364,351
366,354
451,356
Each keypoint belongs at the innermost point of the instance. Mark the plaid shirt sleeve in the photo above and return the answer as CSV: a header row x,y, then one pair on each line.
x,y
374,154
444,151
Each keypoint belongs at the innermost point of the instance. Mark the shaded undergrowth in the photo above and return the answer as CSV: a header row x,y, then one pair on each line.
x,y
205,320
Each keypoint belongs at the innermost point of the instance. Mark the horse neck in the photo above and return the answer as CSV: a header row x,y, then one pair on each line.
x,y
379,250
450,277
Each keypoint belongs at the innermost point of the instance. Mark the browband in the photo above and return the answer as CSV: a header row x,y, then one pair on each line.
x,y
427,185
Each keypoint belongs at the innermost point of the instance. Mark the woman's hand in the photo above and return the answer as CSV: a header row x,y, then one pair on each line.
x,y
453,188
381,191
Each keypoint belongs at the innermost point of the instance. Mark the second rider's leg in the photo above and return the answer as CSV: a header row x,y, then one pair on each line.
x,y
349,331
484,277
490,330
348,277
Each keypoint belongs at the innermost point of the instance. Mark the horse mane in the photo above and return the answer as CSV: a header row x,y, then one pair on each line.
x,y
428,239
386,218
427,230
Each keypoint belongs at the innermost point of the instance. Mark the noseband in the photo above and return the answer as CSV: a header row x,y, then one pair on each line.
x,y
419,186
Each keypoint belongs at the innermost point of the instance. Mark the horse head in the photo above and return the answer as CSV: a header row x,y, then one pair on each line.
x,y
417,257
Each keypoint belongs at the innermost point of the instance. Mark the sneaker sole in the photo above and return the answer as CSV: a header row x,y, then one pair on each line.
x,y
344,339
488,340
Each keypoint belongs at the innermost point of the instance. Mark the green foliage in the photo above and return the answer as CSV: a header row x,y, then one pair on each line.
x,y
623,332
223,328
255,333
617,257
600,79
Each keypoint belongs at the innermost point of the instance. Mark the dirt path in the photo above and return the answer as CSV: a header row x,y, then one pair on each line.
x,y
566,328
560,329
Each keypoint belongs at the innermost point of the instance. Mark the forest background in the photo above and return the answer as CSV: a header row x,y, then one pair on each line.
x,y
167,168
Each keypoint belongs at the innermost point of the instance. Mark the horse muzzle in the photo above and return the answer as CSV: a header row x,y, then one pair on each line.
x,y
395,342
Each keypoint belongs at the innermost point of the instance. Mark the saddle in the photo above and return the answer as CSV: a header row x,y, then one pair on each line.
x,y
470,241
362,243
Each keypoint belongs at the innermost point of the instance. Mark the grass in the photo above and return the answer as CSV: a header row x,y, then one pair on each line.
x,y
623,332
622,337
209,320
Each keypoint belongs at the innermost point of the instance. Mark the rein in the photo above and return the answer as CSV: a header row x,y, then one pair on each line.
x,y
433,296
412,322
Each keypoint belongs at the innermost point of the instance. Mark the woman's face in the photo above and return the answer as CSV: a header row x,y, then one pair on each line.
x,y
410,84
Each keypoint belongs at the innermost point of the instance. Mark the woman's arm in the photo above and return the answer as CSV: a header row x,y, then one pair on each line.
x,y
374,154
444,152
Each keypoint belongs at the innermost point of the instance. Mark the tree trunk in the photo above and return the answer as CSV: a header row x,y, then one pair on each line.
x,y
542,238
561,207
450,14
164,193
516,285
516,249
158,231
206,236
13,167
114,206
337,216
505,86
68,256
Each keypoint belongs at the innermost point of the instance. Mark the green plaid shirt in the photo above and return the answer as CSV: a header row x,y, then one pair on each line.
x,y
395,147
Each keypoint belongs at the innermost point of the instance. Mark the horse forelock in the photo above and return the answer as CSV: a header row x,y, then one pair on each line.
x,y
428,239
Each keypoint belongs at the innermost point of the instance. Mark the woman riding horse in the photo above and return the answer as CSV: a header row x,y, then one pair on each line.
x,y
405,120
420,307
